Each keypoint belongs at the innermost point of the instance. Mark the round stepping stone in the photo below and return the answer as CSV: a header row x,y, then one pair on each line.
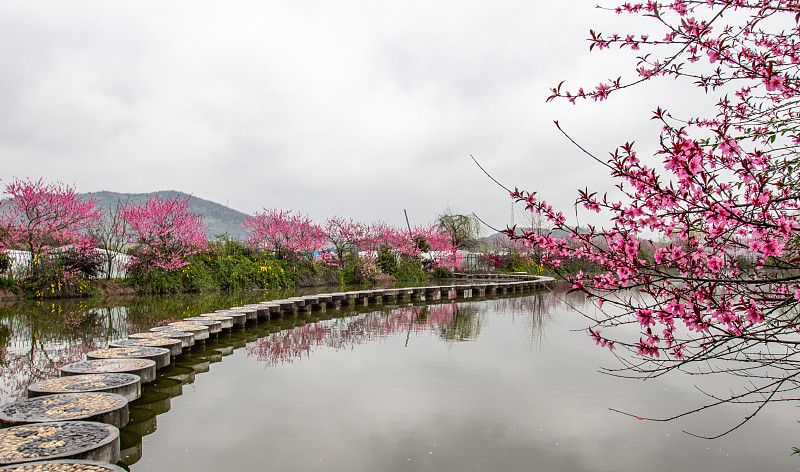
x,y
144,368
89,406
64,466
238,318
187,339
59,440
127,385
158,354
227,321
175,346
249,312
199,331
261,310
214,327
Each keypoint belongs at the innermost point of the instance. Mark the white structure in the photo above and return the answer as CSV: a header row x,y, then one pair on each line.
x,y
21,263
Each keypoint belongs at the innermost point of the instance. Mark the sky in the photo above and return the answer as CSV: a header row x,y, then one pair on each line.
x,y
355,108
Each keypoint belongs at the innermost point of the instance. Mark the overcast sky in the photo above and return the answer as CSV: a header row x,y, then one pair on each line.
x,y
357,108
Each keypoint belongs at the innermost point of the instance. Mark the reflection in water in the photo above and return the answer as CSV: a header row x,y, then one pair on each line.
x,y
502,384
37,338
452,321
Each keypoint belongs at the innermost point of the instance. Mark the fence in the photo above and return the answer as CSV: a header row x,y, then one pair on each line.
x,y
21,263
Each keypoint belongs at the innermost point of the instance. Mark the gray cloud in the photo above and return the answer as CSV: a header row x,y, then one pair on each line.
x,y
356,108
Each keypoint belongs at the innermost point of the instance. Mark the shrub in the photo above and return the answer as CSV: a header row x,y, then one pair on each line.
x,y
5,262
89,263
387,260
357,271
409,269
50,278
441,273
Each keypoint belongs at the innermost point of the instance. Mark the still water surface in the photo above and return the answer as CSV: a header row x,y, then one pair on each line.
x,y
495,385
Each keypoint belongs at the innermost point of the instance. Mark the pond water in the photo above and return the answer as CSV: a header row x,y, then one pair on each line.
x,y
506,384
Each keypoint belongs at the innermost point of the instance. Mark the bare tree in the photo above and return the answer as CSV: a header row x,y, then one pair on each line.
x,y
112,234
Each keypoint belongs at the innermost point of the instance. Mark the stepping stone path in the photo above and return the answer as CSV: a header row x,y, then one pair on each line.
x,y
102,407
59,440
127,385
159,355
144,368
64,466
175,346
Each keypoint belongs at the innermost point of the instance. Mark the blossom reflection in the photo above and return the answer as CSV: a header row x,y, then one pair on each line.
x,y
452,322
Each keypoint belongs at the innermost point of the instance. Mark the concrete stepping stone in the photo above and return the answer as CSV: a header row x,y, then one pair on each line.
x,y
200,332
144,368
59,440
239,319
226,322
187,339
101,407
64,466
214,327
127,385
160,355
175,346
251,313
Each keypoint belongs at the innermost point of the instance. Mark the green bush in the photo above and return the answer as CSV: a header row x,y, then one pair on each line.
x,y
387,260
5,263
441,273
51,279
226,265
155,281
409,269
516,262
355,270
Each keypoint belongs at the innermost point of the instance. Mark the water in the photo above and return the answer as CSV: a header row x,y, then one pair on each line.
x,y
507,384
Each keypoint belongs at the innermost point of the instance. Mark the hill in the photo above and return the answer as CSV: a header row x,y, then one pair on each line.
x,y
219,219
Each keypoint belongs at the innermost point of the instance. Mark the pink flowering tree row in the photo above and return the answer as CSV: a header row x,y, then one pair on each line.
x,y
292,235
285,233
41,217
716,207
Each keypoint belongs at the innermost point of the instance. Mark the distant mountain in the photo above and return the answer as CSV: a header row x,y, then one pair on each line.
x,y
219,219
500,240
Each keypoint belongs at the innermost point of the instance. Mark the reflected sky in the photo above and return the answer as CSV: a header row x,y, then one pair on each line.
x,y
522,392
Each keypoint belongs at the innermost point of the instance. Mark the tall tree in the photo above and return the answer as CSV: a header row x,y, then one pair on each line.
x,y
112,233
464,230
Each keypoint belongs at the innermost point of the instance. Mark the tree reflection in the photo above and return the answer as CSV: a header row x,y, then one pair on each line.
x,y
452,321
41,339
